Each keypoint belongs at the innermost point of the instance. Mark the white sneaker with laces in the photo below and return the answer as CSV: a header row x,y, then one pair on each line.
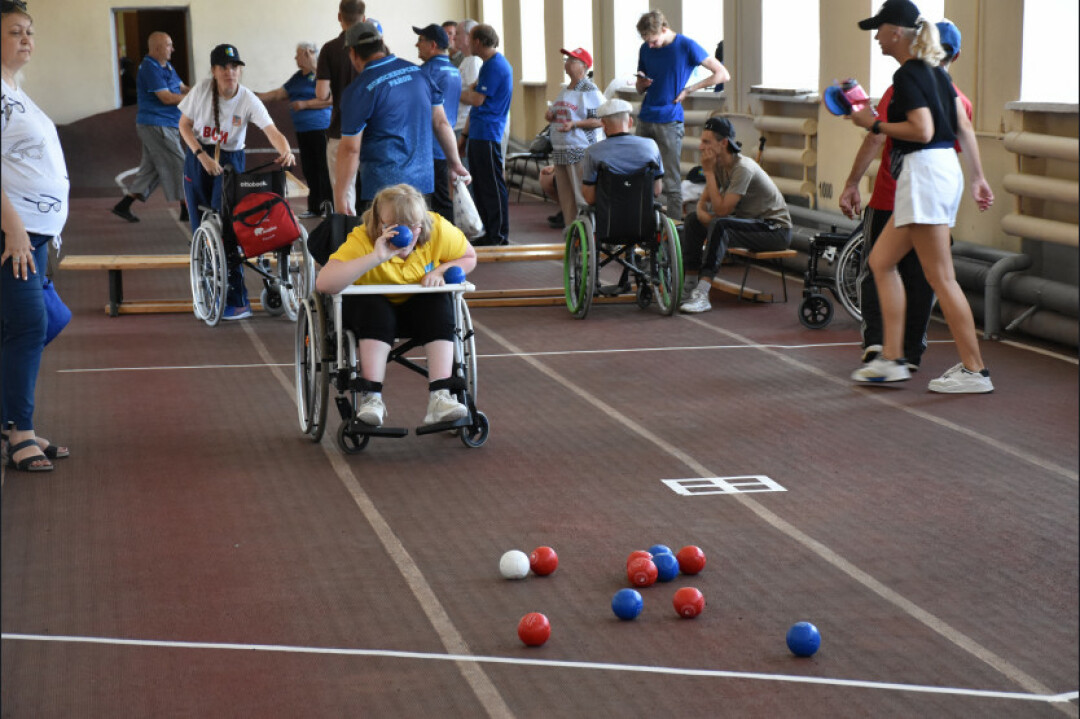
x,y
698,302
960,380
372,410
871,352
442,407
880,369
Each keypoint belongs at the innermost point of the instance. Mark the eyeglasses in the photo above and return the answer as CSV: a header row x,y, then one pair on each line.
x,y
23,151
49,204
10,106
12,5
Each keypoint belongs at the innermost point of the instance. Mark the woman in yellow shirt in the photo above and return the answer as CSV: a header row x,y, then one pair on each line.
x,y
377,320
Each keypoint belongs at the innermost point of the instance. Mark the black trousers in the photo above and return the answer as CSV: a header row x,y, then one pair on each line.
x,y
920,296
489,189
703,247
440,199
423,317
312,146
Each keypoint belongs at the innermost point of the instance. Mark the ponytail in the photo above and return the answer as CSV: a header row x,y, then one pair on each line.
x,y
217,112
927,43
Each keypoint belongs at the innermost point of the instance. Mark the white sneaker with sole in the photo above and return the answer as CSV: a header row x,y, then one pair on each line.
x,y
442,407
880,369
372,410
698,302
960,380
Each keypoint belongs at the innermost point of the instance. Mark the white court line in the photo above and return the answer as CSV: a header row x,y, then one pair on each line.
x,y
547,663
833,558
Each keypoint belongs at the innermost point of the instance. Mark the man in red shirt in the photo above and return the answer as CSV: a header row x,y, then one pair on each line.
x,y
920,297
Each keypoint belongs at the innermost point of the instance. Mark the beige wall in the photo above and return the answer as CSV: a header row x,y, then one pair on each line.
x,y
73,73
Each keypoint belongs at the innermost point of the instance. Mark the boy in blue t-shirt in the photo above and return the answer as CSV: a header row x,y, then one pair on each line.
x,y
432,45
665,62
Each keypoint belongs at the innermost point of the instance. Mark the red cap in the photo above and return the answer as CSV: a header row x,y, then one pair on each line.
x,y
581,54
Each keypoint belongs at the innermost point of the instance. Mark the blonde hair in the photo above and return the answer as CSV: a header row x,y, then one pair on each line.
x,y
926,42
651,23
406,206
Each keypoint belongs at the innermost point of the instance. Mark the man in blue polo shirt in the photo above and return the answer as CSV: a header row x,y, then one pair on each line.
x,y
157,125
432,46
665,61
399,110
490,101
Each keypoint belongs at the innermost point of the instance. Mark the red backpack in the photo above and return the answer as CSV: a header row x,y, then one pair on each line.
x,y
263,222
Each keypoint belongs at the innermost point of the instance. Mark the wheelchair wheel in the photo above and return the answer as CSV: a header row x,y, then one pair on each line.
x,y
349,442
644,295
296,275
848,266
579,267
209,272
468,348
667,268
312,373
271,300
815,312
476,434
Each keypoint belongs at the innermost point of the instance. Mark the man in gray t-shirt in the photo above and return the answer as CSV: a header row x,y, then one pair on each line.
x,y
740,207
621,152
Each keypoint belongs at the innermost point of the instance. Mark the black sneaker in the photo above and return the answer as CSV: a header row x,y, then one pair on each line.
x,y
125,213
556,221
184,216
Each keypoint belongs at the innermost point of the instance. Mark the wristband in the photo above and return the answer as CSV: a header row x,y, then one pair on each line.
x,y
876,127
199,152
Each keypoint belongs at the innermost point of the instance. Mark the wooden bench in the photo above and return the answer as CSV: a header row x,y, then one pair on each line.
x,y
747,258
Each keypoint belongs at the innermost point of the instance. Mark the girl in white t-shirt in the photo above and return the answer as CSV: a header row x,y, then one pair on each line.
x,y
213,125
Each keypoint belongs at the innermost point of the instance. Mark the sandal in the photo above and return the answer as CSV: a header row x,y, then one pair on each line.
x,y
51,450
34,463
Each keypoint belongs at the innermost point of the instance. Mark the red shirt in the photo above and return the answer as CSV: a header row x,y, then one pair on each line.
x,y
884,184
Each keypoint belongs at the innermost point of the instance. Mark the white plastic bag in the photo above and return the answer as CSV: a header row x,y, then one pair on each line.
x,y
466,217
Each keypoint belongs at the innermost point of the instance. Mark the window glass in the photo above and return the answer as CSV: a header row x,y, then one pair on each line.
x,y
1049,65
532,42
790,44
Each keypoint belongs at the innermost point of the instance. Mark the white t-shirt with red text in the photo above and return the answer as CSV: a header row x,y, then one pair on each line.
x,y
234,114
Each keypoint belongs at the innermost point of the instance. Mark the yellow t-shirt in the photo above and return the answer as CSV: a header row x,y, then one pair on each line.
x,y
446,243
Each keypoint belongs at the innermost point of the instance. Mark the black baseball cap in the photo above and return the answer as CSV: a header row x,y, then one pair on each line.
x,y
902,13
435,33
723,129
224,55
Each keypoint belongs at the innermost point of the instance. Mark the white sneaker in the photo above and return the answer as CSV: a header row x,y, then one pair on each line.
x,y
442,407
698,302
880,369
960,380
871,352
372,410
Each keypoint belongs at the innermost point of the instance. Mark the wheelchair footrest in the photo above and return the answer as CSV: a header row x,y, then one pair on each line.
x,y
357,427
465,421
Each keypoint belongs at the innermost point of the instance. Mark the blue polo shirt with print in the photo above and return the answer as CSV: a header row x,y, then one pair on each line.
x,y
390,102
448,79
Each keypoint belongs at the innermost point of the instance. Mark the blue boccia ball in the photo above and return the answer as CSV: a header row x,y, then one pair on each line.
x,y
667,566
403,236
627,603
454,275
803,639
659,549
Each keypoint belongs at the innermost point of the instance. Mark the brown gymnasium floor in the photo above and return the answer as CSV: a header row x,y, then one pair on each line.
x,y
197,556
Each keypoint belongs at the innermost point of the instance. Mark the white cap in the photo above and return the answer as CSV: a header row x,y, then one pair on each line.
x,y
613,107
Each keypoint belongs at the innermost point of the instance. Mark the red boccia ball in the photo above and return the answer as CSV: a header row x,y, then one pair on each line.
x,y
691,559
543,561
641,572
639,554
534,629
688,602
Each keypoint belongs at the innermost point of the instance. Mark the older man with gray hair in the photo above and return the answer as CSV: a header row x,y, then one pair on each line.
x,y
621,152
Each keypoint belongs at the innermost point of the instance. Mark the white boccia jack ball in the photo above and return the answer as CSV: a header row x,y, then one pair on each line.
x,y
514,564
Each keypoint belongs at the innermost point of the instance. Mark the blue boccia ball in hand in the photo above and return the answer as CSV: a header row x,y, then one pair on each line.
x,y
627,603
803,639
403,236
667,566
454,275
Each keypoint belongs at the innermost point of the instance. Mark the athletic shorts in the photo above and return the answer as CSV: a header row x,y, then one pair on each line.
x,y
929,188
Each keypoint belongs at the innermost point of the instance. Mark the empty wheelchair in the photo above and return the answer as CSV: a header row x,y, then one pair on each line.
x,y
845,253
625,228
256,229
326,356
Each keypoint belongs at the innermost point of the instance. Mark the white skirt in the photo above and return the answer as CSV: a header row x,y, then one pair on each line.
x,y
929,188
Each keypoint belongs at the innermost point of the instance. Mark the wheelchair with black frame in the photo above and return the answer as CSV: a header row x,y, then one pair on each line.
x,y
844,251
271,243
627,228
326,356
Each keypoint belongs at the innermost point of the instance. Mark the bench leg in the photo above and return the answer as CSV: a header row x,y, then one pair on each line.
x,y
745,274
116,292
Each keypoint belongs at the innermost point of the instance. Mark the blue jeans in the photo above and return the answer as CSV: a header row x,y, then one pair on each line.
x,y
668,137
204,190
22,337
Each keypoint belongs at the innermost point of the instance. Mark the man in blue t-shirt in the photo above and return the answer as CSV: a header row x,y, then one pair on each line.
x,y
490,101
399,110
665,62
157,125
432,45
